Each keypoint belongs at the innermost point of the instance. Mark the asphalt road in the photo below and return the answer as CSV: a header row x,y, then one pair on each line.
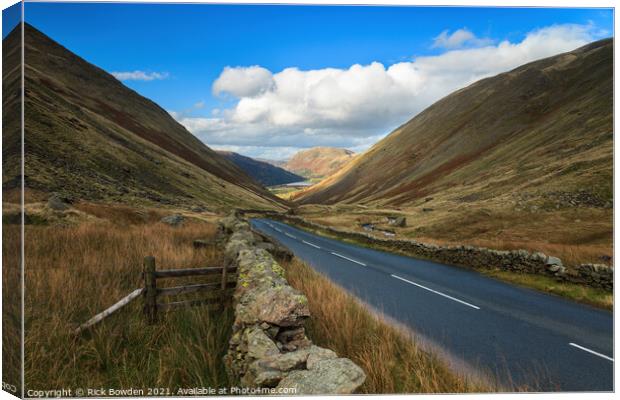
x,y
518,336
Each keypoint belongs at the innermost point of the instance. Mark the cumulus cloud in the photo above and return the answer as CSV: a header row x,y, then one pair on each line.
x,y
356,106
243,81
140,76
459,38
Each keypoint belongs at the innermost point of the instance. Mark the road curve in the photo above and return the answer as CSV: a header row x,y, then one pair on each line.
x,y
519,336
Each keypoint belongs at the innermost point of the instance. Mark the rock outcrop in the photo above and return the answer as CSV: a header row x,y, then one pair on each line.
x,y
269,346
173,220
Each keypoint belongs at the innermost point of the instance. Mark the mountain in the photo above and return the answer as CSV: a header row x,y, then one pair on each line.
x,y
539,136
88,136
277,163
263,172
319,162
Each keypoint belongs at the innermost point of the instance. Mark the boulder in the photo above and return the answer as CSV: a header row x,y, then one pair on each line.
x,y
554,264
244,236
317,354
259,344
173,220
228,223
263,377
234,248
332,376
283,362
279,305
266,246
57,203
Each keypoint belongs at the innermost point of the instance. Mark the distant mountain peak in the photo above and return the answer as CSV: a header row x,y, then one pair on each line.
x,y
319,162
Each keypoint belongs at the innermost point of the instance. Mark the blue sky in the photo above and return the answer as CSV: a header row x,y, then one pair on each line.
x,y
10,18
185,49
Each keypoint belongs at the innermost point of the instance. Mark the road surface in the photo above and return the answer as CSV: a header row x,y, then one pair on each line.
x,y
521,337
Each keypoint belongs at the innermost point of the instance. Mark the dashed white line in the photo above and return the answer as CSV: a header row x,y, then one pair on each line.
x,y
278,229
289,235
436,292
311,244
591,352
349,259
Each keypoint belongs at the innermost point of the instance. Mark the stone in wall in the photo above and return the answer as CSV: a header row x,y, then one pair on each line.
x,y
269,346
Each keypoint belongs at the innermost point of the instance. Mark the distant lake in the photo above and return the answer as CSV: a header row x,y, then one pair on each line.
x,y
302,183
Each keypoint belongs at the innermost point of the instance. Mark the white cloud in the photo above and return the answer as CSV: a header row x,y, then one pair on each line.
x,y
356,106
459,38
243,81
140,76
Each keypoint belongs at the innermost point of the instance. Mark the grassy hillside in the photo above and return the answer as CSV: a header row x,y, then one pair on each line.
x,y
261,171
90,137
11,238
74,272
520,159
319,162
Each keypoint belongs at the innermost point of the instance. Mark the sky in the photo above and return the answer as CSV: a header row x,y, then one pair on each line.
x,y
267,81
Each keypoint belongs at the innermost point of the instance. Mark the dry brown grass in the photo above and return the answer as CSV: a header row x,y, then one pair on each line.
x,y
75,272
393,362
11,309
576,236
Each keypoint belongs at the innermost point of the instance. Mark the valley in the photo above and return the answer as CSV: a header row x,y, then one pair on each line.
x,y
509,166
519,160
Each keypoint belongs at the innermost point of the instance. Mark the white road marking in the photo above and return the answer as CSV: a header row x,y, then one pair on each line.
x,y
289,235
278,229
349,259
311,244
592,352
436,292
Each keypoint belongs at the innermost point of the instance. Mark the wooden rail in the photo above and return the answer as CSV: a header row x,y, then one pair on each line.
x,y
101,316
177,273
192,288
151,292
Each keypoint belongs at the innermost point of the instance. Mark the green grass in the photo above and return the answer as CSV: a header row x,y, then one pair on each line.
x,y
580,293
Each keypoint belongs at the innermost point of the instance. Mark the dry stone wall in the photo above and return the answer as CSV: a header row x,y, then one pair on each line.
x,y
594,275
269,347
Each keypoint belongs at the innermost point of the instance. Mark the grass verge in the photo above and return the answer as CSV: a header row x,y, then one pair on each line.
x,y
580,293
393,362
75,272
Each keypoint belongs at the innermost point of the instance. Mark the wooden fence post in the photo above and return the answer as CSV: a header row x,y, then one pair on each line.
x,y
224,283
150,290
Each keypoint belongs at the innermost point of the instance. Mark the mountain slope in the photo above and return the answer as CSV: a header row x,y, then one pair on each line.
x,y
263,172
319,162
90,137
540,134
